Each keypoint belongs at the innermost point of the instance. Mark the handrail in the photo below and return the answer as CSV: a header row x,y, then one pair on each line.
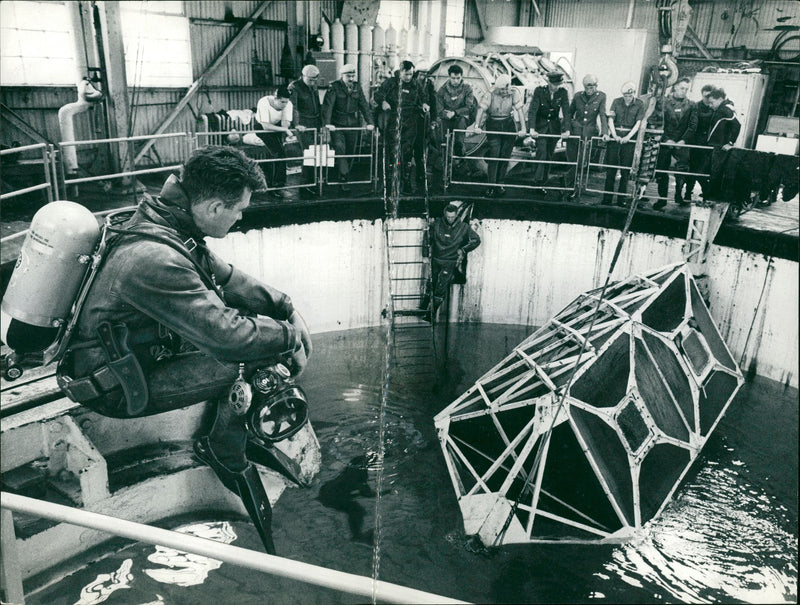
x,y
235,555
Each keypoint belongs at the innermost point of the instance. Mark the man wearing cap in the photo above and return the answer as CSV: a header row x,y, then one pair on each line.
x,y
306,115
496,114
451,240
543,118
456,106
624,119
274,113
405,97
588,107
343,103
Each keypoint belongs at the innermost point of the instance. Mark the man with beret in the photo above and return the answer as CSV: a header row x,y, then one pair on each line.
x,y
624,120
306,115
547,115
588,107
343,103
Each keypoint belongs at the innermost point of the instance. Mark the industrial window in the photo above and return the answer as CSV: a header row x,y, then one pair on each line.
x,y
157,48
396,13
454,28
37,44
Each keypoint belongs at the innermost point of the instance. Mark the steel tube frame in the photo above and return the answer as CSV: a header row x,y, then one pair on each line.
x,y
296,570
47,155
371,155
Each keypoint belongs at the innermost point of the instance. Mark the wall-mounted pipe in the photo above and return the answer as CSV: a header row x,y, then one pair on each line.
x,y
87,96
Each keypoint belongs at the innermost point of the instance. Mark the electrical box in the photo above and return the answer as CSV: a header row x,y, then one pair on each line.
x,y
745,90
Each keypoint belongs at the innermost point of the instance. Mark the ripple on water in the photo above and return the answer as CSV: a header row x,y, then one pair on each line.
x,y
720,540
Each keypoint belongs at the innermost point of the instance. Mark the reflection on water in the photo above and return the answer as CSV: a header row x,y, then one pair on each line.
x,y
730,534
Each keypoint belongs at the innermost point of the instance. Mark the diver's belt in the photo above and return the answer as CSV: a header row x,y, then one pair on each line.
x,y
121,371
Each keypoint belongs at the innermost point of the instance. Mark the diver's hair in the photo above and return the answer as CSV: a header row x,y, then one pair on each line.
x,y
686,79
283,92
455,69
406,66
707,88
220,172
717,93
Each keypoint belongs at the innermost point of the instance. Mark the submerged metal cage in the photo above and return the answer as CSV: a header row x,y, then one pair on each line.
x,y
652,378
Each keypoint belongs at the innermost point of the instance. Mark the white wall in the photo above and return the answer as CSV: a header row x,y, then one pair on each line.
x,y
523,273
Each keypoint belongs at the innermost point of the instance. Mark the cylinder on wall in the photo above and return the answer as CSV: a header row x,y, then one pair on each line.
x,y
391,47
365,58
351,43
337,44
325,32
378,57
411,45
402,43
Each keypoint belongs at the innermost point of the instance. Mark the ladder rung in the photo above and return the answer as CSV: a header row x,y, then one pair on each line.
x,y
408,262
407,278
409,229
405,246
406,296
409,312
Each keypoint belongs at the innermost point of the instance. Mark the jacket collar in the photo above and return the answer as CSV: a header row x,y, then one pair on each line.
x,y
171,208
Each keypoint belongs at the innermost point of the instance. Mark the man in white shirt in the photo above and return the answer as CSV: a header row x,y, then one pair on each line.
x,y
274,113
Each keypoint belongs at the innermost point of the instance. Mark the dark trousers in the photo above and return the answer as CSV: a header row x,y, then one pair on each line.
x,y
408,138
344,142
545,146
275,172
442,276
577,156
499,146
665,155
306,140
700,163
456,123
421,139
618,154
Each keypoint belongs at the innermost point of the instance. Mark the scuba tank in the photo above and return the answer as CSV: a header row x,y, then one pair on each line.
x,y
55,269
52,264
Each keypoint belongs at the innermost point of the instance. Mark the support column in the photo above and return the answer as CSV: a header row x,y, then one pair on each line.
x,y
115,83
10,568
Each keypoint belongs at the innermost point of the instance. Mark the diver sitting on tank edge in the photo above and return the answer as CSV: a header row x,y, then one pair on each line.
x,y
167,323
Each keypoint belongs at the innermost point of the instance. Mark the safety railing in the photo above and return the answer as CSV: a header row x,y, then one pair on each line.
x,y
376,590
451,158
363,135
125,153
605,168
48,168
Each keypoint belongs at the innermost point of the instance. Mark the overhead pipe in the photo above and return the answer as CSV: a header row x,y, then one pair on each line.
x,y
88,96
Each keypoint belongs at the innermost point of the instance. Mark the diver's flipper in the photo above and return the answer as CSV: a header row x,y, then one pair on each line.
x,y
247,485
270,456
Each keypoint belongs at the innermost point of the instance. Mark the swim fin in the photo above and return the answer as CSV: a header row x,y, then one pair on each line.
x,y
247,485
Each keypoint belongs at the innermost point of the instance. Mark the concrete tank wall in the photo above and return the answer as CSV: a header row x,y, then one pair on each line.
x,y
523,273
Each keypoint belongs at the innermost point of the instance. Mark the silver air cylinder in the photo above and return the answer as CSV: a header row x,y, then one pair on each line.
x,y
365,58
337,44
351,44
52,263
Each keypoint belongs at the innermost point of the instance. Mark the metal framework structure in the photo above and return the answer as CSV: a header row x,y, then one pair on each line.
x,y
584,432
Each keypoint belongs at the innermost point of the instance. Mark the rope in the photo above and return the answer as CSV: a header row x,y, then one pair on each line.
x,y
546,436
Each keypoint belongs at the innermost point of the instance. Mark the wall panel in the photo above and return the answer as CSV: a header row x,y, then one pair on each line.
x,y
336,275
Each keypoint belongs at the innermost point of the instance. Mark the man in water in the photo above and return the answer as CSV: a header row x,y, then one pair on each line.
x,y
451,240
167,323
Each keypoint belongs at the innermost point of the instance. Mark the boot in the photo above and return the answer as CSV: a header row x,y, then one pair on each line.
x,y
663,190
679,182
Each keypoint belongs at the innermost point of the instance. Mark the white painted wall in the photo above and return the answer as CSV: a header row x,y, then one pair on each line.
x,y
523,273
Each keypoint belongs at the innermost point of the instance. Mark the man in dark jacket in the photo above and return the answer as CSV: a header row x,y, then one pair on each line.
x,y
403,98
588,107
547,116
456,107
306,115
451,240
167,322
700,158
343,103
680,123
722,134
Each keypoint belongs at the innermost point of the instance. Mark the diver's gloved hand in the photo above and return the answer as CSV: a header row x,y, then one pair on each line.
x,y
303,352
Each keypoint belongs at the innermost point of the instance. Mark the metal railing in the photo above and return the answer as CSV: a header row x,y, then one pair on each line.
x,y
126,157
377,590
329,156
48,166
